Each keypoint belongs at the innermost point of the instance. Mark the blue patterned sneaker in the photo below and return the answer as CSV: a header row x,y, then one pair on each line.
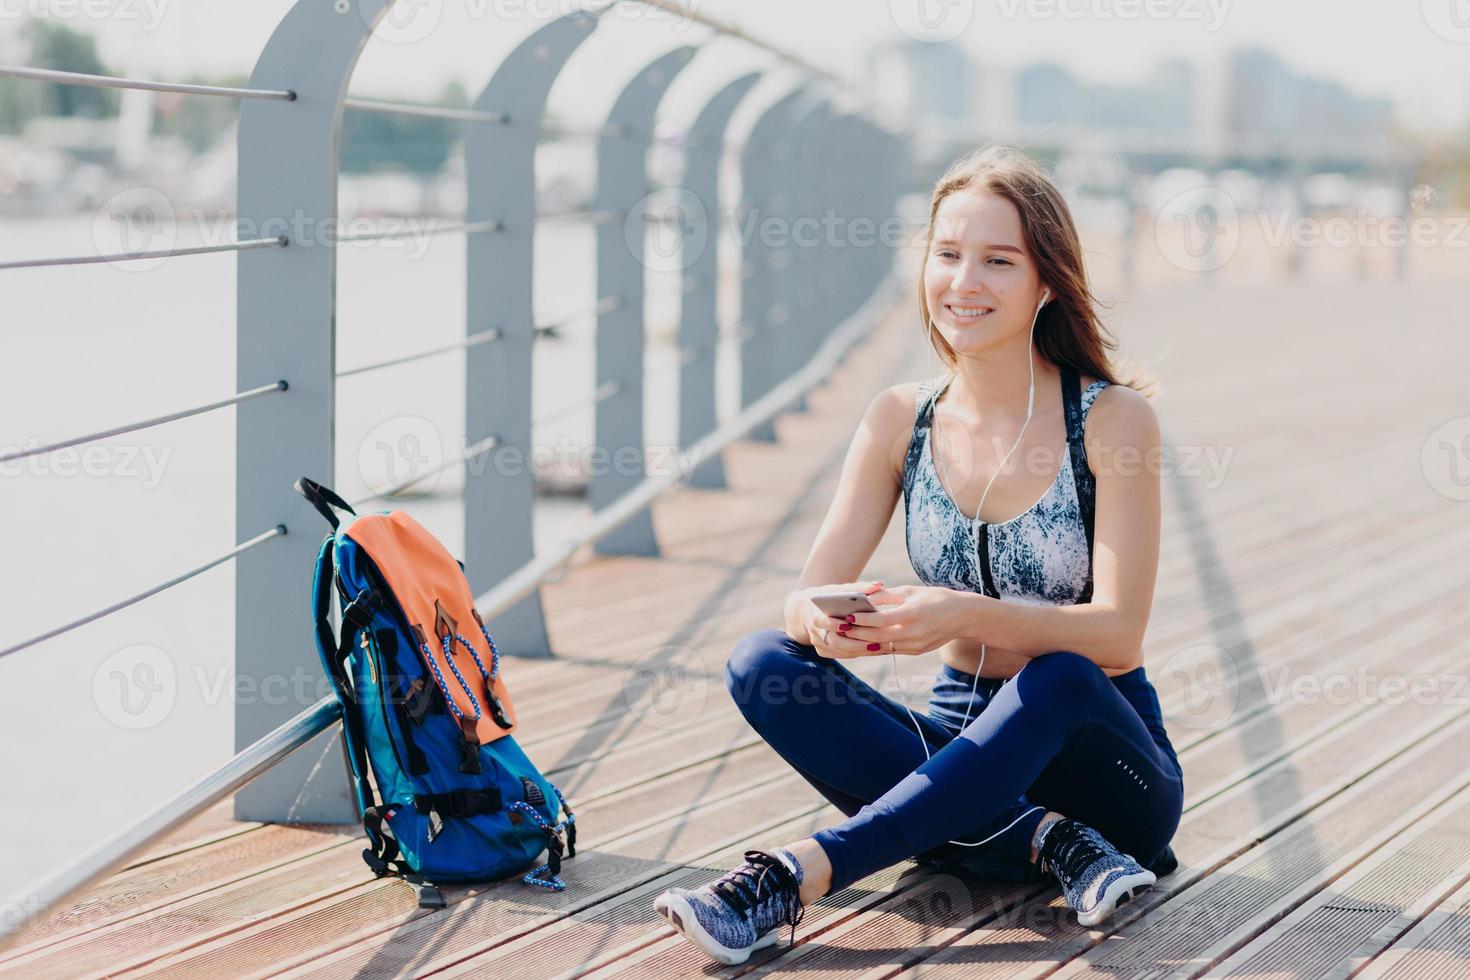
x,y
742,910
1095,877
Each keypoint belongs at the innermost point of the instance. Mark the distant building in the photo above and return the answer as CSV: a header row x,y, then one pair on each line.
x,y
1264,96
926,81
1050,95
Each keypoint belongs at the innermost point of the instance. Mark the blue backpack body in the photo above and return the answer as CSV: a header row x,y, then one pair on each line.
x,y
456,797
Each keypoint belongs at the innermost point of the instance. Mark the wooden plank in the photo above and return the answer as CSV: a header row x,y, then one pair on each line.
x,y
214,824
1436,948
143,890
1207,825
1199,926
1398,880
1032,938
379,932
320,875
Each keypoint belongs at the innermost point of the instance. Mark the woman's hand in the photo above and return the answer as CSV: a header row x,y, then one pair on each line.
x,y
827,633
911,619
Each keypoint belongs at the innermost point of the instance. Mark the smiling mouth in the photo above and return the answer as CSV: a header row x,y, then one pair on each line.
x,y
967,314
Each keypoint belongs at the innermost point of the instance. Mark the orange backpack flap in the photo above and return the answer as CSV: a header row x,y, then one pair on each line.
x,y
435,597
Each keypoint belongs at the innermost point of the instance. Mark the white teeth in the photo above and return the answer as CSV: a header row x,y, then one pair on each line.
x,y
968,310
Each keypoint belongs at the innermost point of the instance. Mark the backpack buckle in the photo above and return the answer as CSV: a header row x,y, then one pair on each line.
x,y
459,804
497,710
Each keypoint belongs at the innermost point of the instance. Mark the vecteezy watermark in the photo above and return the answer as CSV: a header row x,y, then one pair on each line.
x,y
405,456
1199,229
410,21
932,20
26,911
1365,685
136,687
1199,686
134,221
1363,229
1445,458
681,225
402,455
1210,14
954,452
122,462
148,14
137,222
668,229
667,687
940,902
1450,19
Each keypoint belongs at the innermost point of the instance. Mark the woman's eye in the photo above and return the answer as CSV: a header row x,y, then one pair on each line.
x,y
1001,260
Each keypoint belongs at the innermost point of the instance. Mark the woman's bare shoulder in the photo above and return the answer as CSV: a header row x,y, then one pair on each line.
x,y
1120,417
892,415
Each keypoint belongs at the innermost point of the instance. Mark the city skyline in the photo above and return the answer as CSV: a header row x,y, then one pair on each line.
x,y
1413,53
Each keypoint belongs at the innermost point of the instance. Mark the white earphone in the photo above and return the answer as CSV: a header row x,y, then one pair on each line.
x,y
975,535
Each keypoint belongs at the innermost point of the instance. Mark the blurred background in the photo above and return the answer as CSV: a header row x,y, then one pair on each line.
x,y
1255,144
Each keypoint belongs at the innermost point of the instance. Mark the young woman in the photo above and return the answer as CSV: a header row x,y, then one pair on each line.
x,y
1043,755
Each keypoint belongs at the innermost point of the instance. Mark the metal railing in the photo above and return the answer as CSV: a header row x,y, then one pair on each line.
x,y
802,306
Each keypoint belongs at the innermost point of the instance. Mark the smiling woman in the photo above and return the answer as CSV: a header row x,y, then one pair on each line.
x,y
1058,767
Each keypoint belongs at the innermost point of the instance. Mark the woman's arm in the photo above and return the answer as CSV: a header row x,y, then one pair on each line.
x,y
867,491
1123,451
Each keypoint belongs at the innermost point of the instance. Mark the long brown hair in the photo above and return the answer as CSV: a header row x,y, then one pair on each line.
x,y
1069,331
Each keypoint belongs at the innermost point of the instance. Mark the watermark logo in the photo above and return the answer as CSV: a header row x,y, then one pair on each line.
x,y
147,14
1445,459
404,22
1450,19
402,456
667,688
942,901
1210,14
136,687
111,461
1201,685
133,221
1366,685
933,21
1198,229
668,228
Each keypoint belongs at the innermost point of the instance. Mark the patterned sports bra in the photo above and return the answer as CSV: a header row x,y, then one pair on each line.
x,y
1041,557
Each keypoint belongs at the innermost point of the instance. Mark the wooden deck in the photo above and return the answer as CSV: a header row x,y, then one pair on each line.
x,y
1322,834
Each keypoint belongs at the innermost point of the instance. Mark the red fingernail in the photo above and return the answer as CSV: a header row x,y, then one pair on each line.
x,y
851,618
843,628
872,646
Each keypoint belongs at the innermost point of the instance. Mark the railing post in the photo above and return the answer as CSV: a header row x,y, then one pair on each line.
x,y
499,498
761,313
622,184
699,327
808,182
285,328
891,170
797,202
852,175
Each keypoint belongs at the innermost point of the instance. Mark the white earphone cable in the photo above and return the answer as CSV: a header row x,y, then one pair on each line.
x,y
975,534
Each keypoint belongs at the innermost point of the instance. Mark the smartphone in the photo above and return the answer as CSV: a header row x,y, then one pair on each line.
x,y
839,604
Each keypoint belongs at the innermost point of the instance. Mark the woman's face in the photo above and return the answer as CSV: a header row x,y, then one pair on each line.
x,y
980,282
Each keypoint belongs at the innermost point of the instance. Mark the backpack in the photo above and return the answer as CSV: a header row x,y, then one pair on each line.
x,y
425,707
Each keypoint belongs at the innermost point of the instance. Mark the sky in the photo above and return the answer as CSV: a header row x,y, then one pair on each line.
x,y
1415,51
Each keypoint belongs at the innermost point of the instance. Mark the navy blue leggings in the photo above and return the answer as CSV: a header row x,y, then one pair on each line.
x,y
1060,734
